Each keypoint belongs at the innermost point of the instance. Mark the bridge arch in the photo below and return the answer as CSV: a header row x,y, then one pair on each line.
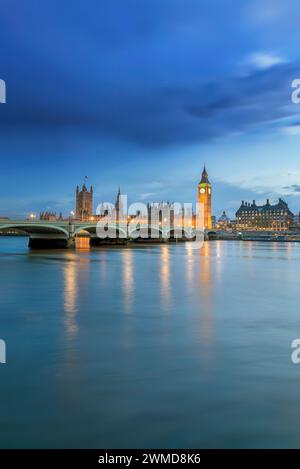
x,y
92,229
35,229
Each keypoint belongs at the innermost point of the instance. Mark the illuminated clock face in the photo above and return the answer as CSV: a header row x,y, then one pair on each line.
x,y
209,191
202,191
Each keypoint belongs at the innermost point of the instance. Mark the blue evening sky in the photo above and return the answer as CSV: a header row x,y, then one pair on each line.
x,y
140,93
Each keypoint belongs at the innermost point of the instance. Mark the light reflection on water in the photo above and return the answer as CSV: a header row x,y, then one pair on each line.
x,y
206,288
128,279
70,293
165,283
154,346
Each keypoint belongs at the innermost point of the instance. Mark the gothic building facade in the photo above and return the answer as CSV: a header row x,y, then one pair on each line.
x,y
84,203
50,216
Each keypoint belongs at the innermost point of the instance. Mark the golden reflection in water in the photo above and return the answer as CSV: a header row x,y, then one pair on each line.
x,y
205,251
128,279
206,292
274,246
70,296
190,266
165,283
220,248
250,249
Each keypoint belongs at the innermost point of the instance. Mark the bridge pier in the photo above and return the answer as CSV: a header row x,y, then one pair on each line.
x,y
71,243
107,241
48,243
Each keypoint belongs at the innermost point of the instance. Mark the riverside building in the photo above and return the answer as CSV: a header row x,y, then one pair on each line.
x,y
268,217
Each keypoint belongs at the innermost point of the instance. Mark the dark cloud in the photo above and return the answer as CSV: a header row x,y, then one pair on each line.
x,y
152,74
154,116
293,188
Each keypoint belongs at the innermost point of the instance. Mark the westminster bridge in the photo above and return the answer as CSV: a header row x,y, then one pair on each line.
x,y
62,233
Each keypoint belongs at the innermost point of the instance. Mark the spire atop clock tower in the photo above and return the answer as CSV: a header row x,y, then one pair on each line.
x,y
204,178
204,199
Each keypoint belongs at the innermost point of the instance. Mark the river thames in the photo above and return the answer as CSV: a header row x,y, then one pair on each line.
x,y
150,347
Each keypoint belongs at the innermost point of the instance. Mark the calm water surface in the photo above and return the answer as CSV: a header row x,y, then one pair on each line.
x,y
162,346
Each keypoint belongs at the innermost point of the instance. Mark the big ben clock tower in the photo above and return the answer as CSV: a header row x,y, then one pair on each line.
x,y
204,199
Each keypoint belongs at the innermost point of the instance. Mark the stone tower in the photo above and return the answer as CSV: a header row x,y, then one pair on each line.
x,y
204,198
84,203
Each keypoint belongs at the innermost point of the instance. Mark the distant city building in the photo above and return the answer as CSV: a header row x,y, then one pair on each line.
x,y
50,216
84,203
265,217
213,221
224,221
204,198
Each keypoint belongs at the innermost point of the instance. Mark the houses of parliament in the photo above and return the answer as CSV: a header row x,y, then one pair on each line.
x,y
249,216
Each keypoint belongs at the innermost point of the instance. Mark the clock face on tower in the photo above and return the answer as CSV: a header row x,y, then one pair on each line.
x,y
202,191
209,191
